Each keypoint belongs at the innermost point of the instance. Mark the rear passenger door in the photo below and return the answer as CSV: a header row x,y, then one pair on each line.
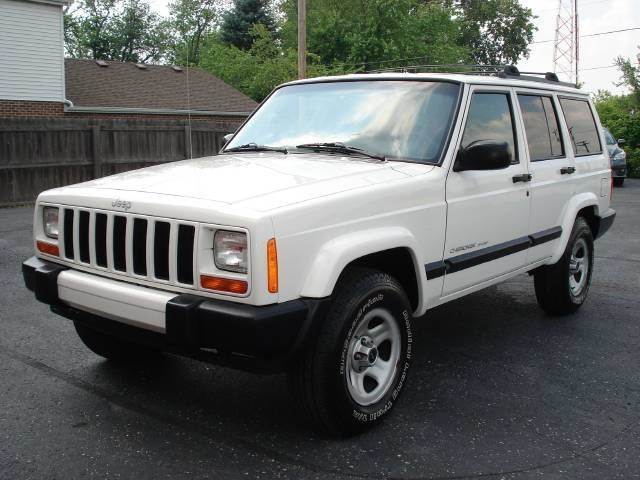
x,y
487,210
552,170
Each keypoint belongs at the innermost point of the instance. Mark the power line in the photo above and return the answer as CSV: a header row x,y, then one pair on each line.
x,y
596,34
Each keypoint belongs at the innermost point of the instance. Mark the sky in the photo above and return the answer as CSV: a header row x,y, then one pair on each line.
x,y
595,16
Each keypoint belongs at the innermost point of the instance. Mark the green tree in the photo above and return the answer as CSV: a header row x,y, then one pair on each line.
x,y
115,30
192,21
630,76
237,23
496,32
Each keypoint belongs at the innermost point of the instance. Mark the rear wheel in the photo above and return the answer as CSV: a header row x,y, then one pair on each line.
x,y
618,182
110,347
562,288
353,371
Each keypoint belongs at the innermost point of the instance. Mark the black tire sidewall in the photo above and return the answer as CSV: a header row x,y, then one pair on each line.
x,y
345,407
581,230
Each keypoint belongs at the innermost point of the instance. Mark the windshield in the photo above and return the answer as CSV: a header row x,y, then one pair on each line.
x,y
609,138
405,120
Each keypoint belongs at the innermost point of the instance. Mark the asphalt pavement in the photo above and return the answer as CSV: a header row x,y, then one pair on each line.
x,y
497,390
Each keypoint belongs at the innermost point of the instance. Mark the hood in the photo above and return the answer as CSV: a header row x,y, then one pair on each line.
x,y
263,180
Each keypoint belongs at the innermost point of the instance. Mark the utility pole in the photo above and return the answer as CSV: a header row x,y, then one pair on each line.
x,y
302,38
566,48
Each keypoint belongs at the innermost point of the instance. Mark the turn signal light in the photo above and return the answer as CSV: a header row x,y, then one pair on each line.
x,y
223,284
272,266
48,248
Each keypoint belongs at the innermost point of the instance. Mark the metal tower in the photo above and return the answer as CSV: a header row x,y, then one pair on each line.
x,y
566,51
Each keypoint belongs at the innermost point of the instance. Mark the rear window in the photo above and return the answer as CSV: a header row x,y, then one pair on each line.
x,y
541,126
582,126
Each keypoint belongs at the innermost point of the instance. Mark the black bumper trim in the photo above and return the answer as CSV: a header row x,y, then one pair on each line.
x,y
256,338
605,223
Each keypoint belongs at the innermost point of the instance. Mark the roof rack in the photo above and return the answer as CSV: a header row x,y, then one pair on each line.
x,y
501,71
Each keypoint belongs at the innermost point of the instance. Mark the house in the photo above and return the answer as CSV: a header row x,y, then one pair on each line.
x,y
37,81
104,89
31,58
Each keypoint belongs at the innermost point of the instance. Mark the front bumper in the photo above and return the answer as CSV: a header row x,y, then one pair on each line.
x,y
619,171
265,338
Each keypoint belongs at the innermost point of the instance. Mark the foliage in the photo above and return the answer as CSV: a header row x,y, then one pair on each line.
x,y
630,76
257,71
495,31
191,22
621,115
238,22
115,30
369,34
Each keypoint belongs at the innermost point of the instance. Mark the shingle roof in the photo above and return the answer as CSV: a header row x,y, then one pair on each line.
x,y
155,87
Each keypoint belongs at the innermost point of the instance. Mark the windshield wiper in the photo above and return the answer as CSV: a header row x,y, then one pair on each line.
x,y
254,147
339,147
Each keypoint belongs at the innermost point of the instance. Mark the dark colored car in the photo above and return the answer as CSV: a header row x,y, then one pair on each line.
x,y
618,158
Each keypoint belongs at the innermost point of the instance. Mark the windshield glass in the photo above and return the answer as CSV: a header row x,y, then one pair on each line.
x,y
406,120
609,138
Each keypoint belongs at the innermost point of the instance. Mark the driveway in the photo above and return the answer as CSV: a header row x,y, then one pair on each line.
x,y
497,390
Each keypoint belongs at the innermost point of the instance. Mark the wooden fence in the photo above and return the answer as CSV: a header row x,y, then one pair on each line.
x,y
38,154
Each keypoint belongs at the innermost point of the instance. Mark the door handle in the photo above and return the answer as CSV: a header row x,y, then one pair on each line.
x,y
525,177
567,170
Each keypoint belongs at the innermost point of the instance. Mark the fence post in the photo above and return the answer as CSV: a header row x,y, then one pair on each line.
x,y
187,142
97,159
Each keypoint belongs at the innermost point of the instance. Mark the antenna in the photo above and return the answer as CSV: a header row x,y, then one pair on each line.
x,y
189,103
566,51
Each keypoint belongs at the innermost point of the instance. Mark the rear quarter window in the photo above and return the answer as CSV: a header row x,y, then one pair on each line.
x,y
582,126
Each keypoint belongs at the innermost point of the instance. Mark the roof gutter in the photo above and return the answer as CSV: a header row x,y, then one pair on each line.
x,y
152,111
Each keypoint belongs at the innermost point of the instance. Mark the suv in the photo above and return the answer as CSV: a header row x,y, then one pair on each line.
x,y
618,158
340,212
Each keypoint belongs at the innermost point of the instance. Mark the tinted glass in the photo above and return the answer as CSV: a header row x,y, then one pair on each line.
x,y
582,126
397,119
541,126
608,137
490,118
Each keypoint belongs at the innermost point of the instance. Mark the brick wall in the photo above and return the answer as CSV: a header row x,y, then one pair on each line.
x,y
24,108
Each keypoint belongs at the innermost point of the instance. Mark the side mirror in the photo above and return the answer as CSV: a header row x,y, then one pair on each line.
x,y
621,141
228,137
483,155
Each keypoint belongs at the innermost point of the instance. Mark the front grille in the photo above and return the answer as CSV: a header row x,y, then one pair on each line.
x,y
155,249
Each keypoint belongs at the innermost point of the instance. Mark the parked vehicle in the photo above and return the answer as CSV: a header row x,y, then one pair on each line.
x,y
340,213
618,158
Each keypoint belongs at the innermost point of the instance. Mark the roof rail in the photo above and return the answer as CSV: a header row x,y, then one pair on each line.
x,y
511,71
501,71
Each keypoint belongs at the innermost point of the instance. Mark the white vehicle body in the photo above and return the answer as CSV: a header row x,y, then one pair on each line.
x,y
326,211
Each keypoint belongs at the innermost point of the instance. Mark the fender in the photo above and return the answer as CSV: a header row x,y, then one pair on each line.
x,y
335,255
575,204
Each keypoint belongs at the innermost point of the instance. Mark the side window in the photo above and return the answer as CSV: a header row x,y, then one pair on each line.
x,y
582,126
541,126
490,118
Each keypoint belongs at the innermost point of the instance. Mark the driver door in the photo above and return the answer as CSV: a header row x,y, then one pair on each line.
x,y
487,210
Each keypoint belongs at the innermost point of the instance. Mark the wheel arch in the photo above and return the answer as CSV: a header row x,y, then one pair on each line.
x,y
583,205
391,250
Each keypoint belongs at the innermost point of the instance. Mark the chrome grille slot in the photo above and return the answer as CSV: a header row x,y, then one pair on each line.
x,y
141,247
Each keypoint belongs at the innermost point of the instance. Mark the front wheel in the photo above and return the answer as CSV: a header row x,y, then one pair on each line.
x,y
562,288
353,371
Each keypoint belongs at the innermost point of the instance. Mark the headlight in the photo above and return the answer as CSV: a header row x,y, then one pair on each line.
x,y
620,156
230,251
50,221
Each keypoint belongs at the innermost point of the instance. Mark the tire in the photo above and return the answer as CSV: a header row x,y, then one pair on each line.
x,y
618,182
333,382
563,287
112,348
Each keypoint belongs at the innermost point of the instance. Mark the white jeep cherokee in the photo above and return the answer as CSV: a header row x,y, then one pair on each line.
x,y
343,209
